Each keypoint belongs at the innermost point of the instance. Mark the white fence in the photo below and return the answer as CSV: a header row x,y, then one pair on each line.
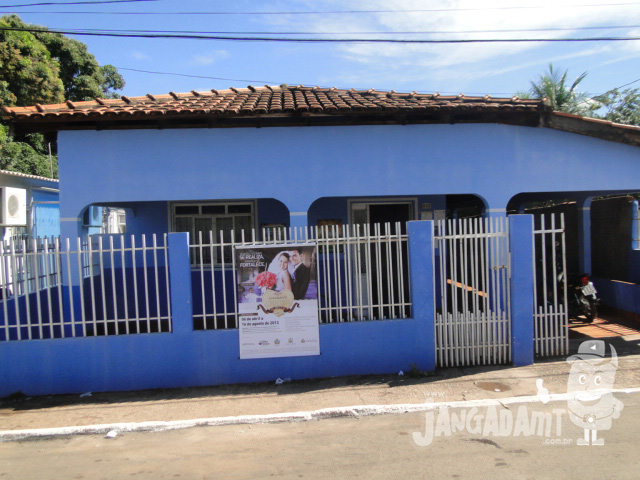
x,y
473,320
362,272
550,281
100,286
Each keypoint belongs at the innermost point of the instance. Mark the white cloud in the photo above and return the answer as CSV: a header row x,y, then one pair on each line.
x,y
139,55
473,59
208,58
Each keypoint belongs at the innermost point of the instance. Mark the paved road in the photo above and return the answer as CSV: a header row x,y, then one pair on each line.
x,y
367,447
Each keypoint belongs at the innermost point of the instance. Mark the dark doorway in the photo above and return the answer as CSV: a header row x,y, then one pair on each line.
x,y
396,215
391,213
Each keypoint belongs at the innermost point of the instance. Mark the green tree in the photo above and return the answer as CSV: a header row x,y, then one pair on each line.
x,y
564,98
621,106
44,67
29,156
38,66
28,73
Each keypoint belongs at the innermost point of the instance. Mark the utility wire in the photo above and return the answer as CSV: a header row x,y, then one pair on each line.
x,y
270,82
199,76
355,12
323,40
424,32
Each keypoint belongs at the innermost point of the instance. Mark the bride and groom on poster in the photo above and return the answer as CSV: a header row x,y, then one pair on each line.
x,y
291,273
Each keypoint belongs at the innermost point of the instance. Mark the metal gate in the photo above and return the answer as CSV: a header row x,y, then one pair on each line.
x,y
473,320
550,280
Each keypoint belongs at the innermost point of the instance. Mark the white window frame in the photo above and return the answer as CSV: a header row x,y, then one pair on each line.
x,y
213,217
365,203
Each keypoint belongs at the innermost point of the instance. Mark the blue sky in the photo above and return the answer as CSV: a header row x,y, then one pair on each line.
x,y
498,69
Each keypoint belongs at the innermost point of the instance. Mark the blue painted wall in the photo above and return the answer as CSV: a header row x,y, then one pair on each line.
x,y
301,164
163,360
46,216
621,295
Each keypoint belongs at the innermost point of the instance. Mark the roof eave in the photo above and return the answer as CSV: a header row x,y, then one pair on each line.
x,y
593,127
516,116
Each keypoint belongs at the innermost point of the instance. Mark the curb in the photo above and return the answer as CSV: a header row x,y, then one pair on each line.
x,y
322,414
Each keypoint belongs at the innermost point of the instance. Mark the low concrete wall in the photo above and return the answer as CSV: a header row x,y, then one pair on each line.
x,y
166,360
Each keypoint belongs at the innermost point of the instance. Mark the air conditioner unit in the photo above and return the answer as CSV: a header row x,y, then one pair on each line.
x,y
92,217
14,206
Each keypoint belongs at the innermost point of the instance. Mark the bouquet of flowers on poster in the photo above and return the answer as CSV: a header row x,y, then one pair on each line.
x,y
277,301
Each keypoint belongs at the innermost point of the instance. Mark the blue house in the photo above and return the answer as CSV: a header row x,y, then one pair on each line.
x,y
263,158
37,210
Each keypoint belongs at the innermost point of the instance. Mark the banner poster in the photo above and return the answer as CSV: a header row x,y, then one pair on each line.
x,y
277,300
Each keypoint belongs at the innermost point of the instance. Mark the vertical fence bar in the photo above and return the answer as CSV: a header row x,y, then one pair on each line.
x,y
92,284
213,285
125,304
47,266
324,230
201,268
146,283
475,288
348,266
359,272
102,287
155,272
454,289
224,280
59,285
553,307
565,312
81,282
113,286
135,282
70,282
378,237
336,273
14,281
367,233
5,291
545,308
27,290
233,269
399,253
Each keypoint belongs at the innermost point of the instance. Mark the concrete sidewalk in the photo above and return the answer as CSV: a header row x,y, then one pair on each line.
x,y
446,385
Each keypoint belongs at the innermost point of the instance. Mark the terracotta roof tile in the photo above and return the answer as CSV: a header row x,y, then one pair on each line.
x,y
267,100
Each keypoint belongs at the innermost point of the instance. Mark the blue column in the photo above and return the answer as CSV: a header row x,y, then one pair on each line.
x,y
180,283
422,292
522,330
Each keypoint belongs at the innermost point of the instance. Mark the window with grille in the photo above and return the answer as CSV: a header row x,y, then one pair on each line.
x,y
213,223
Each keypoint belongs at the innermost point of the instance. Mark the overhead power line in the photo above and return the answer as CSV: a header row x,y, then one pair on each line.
x,y
323,40
273,82
357,12
416,32
270,82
